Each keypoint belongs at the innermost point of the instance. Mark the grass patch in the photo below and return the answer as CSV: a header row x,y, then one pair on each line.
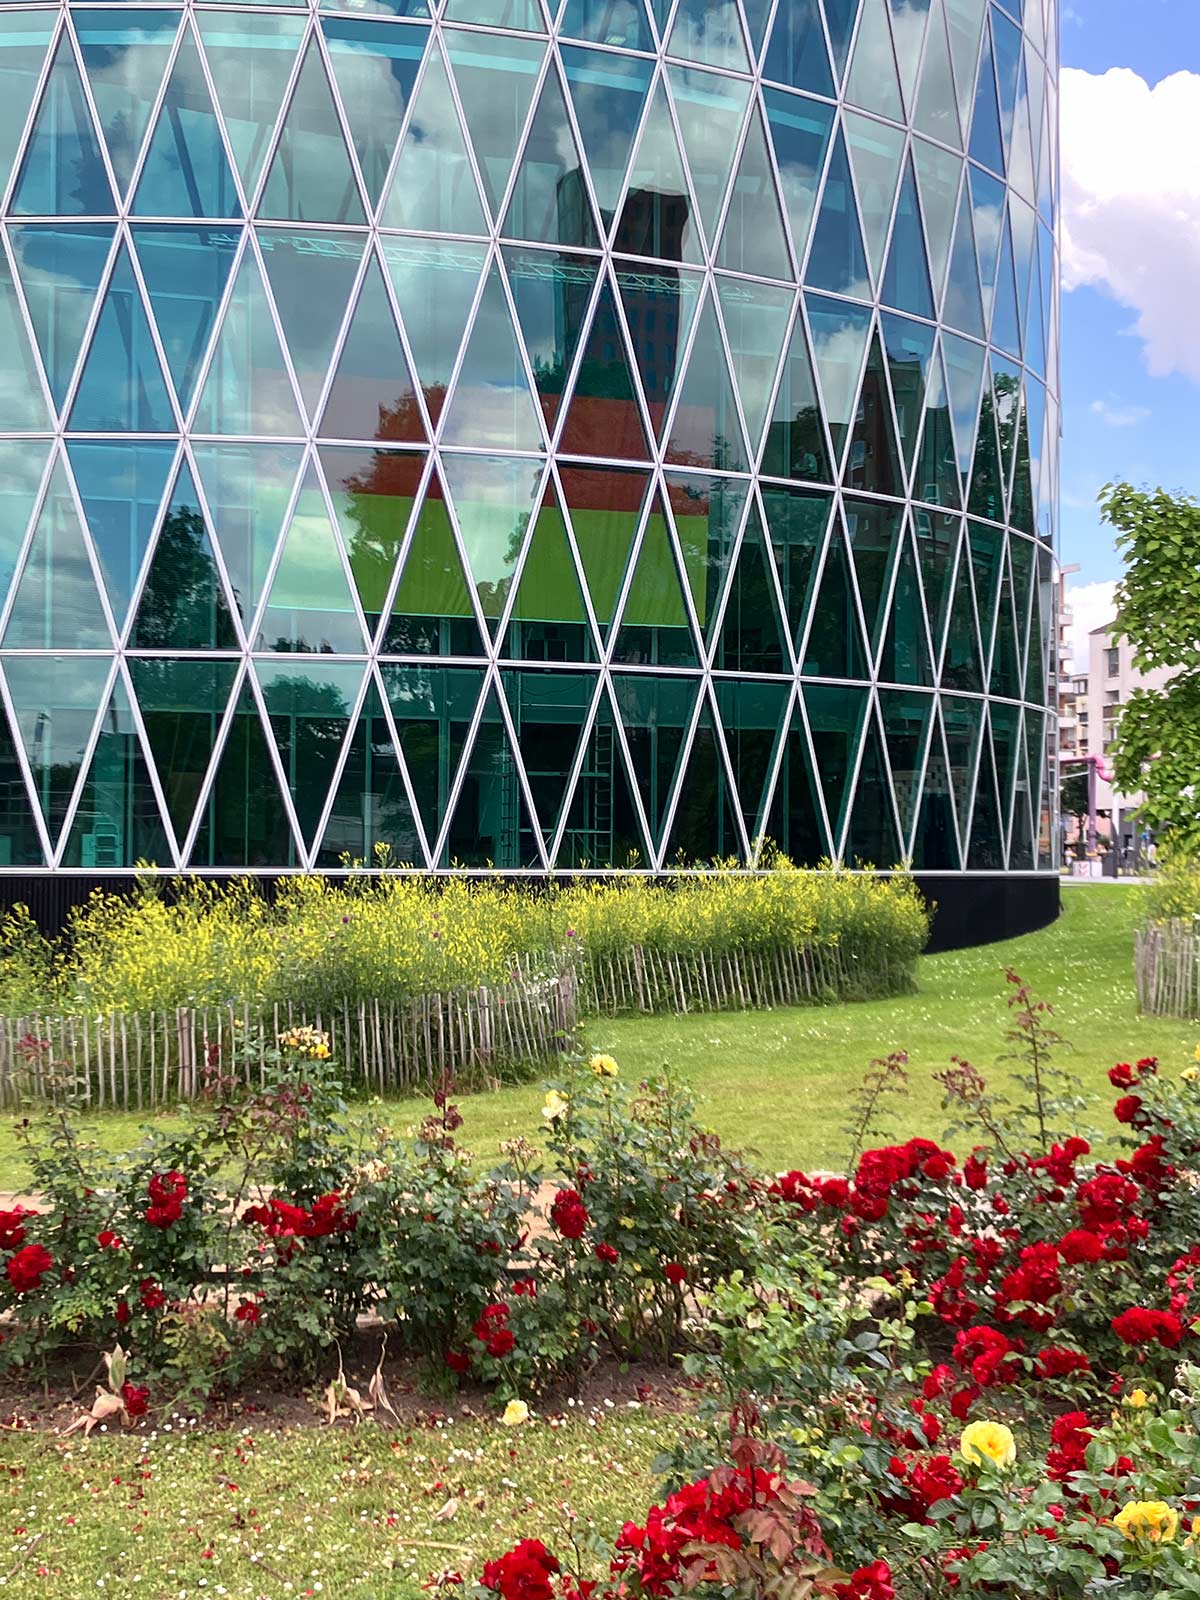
x,y
346,1514
777,1081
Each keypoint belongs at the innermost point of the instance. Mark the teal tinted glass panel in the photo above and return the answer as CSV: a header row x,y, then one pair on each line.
x,y
873,460
248,488
432,711
656,713
799,131
370,812
247,389
752,237
125,56
657,213
311,276
63,171
186,171
433,189
56,603
310,178
383,8
56,700
836,719
309,705
607,93
183,605
795,444
872,82
182,705
375,68
491,824
185,271
840,334
432,611
709,32
310,607
371,395
909,349
753,716
550,200
21,403
837,260
250,58
496,81
704,828
834,645
244,819
121,387
117,821
796,821
22,463
756,320
841,16
871,838
906,281
712,113
549,710
497,13
797,54
435,286
24,40
121,485
612,22
602,825
492,402
876,152
753,634
551,295
494,499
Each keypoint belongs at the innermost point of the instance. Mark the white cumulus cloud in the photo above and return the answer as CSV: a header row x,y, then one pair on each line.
x,y
1131,203
1091,606
1119,416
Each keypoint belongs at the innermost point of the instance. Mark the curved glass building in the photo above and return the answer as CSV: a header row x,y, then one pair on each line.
x,y
533,435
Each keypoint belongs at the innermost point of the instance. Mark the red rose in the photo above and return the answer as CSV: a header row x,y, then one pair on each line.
x,y
12,1227
167,1191
1127,1108
608,1253
525,1288
137,1399
248,1311
1081,1247
569,1214
1122,1076
1140,1325
108,1240
28,1267
524,1573
152,1296
873,1582
457,1362
1056,1361
122,1313
975,1172
674,1273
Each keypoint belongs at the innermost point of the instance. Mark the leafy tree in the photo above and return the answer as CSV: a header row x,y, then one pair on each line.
x,y
1157,746
1073,794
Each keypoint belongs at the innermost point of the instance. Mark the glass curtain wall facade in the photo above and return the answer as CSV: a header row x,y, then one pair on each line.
x,y
527,433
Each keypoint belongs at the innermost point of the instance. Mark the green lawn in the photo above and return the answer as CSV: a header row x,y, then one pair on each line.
x,y
778,1080
346,1515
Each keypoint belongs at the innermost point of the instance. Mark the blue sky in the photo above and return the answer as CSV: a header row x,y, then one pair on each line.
x,y
1130,355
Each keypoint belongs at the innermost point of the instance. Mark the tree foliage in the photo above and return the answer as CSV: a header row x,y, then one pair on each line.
x,y
1157,746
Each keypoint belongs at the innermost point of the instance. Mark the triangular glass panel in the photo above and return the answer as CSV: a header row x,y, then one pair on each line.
x,y
841,16
1006,42
797,520
1022,559
523,14
935,479
753,718
655,626
905,655
492,403
374,67
1020,159
125,56
61,271
796,821
938,536
986,850
186,172
874,532
1024,227
608,92
121,486
909,20
795,444
837,260
656,714
551,294
937,109
372,395
873,461
834,646
1006,393
872,83
432,710
247,389
797,54
962,721
250,58
247,489
22,463
656,214
1020,847
1006,743
22,405
311,279
935,844
602,22
709,34
603,417
63,171
1035,756
876,152
986,141
938,174
56,700
987,205
964,378
906,281
549,712
495,103
122,388
711,112
492,825
24,40
243,820
434,285
549,620
753,634
704,828
1021,514
708,514
309,706
1006,331
117,821
56,604
310,178
602,825
373,493
907,719
799,131
756,320
753,239
871,837
550,200
908,346
986,497
961,667
23,846
494,500
432,613
964,23
963,308
835,719
310,608
987,565
183,604
605,507
370,811
839,333
433,188
704,430
185,271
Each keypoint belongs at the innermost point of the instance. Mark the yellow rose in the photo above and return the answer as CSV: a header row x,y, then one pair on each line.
x,y
555,1106
1197,1052
988,1441
1151,1520
1190,1074
515,1413
1137,1400
603,1066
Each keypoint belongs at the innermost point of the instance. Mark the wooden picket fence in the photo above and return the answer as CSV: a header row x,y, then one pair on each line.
x,y
642,980
1167,964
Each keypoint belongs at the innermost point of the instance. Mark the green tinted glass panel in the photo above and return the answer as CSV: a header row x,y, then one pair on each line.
x,y
656,714
309,705
602,826
497,13
796,821
964,20
182,705
604,505
753,635
432,710
311,276
433,189
186,172
247,388
185,270
117,821
549,619
310,608
654,623
548,710
248,488
936,476
373,494
244,820
905,655
753,718
796,523
121,486
871,837
121,388
908,346
964,374
494,499
840,333
704,828
961,667
370,812
372,395
874,532
550,200
22,463
607,93
986,850
935,843
492,403
909,21
835,718
937,106
937,539
56,700
491,824
707,513
873,460
432,612
834,646
56,605
63,171
60,271
183,605
250,58
938,173
375,68
907,720
795,445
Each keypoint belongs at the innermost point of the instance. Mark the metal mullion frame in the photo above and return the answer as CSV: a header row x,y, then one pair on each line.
x,y
254,199
573,771
339,765
57,14
260,610
160,798
375,672
31,795
682,763
657,34
85,764
89,101
8,258
549,65
734,793
510,733
454,791
220,316
285,788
